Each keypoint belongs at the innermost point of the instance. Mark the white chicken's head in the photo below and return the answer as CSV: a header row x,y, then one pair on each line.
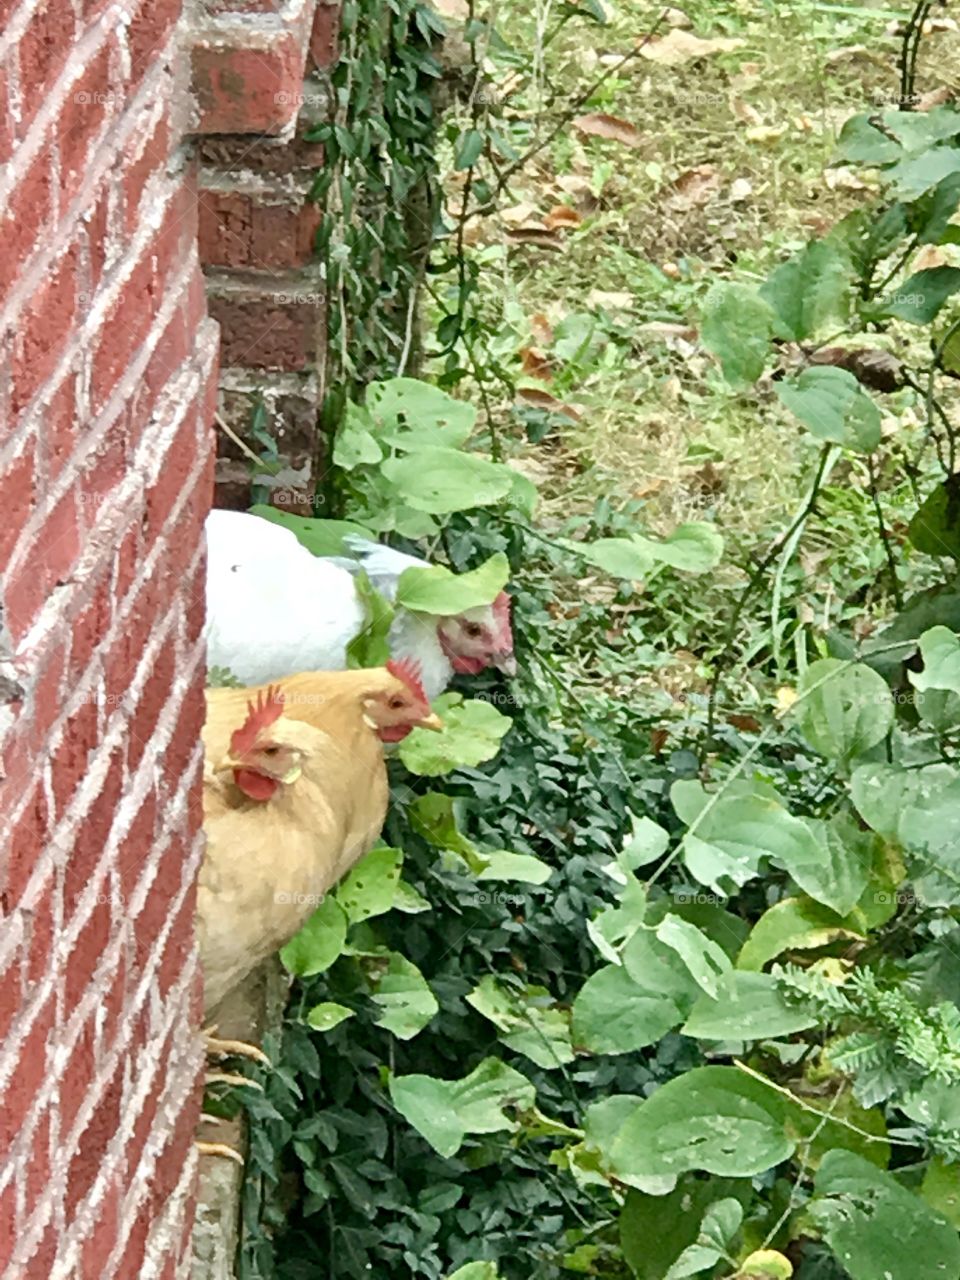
x,y
264,753
479,638
398,703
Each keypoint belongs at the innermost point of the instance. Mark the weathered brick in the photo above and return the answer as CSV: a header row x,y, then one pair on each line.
x,y
17,496
248,90
268,333
78,1075
26,844
324,38
18,1096
43,48
72,755
91,102
28,216
43,330
92,835
94,1141
87,951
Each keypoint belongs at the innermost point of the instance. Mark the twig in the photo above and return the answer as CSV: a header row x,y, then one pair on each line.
x,y
884,535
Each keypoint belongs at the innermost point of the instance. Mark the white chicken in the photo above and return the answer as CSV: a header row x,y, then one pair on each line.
x,y
273,609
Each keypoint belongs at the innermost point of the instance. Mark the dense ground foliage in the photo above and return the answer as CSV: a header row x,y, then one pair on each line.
x,y
656,974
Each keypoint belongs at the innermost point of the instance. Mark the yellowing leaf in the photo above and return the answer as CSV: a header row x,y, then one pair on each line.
x,y
540,399
561,217
612,128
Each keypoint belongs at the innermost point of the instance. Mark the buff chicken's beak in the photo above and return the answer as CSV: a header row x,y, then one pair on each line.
x,y
432,721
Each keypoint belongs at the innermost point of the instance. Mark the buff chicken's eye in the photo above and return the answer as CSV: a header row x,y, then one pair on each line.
x,y
396,704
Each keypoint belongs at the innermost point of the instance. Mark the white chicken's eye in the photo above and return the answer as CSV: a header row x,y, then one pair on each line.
x,y
270,751
473,628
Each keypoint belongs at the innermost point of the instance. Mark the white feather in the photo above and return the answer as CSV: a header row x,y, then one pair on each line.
x,y
273,608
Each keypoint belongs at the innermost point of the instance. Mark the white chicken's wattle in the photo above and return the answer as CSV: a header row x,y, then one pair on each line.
x,y
274,609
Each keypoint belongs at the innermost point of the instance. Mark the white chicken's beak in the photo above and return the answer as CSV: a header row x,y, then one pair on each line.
x,y
505,662
432,721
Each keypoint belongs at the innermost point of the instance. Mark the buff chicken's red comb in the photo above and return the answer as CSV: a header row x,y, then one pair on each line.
x,y
266,711
407,670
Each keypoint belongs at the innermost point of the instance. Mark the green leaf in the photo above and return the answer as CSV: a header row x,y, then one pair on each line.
x,y
616,925
319,942
471,735
469,149
938,210
655,1230
833,405
405,1000
356,444
502,865
810,290
916,175
737,327
935,527
434,589
476,1271
941,1189
707,963
406,410
751,1009
528,1020
321,537
326,1016
940,650
647,842
370,646
794,924
441,480
371,887
445,1111
712,1118
921,296
720,1224
862,143
731,833
695,547
614,1014
877,1228
843,710
883,792
838,877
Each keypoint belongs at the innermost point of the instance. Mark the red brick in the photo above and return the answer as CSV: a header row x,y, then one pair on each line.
x,y
324,38
11,989
28,216
71,759
41,927
91,101
38,1168
56,548
87,951
150,705
60,428
40,1264
90,626
131,1264
137,843
152,158
6,147
264,333
165,884
44,329
94,1141
28,1077
26,845
105,1233
149,34
113,1003
128,561
242,90
49,687
92,835
8,1222
78,1075
179,944
104,470
16,501
44,46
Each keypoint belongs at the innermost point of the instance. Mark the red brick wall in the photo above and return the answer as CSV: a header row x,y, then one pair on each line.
x,y
107,377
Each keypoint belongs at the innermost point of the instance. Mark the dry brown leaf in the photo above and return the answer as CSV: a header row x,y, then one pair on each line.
x,y
561,216
851,53
663,329
678,47
928,257
541,328
610,300
544,400
744,112
650,487
517,214
536,363
935,98
600,125
694,187
675,18
746,724
658,740
539,235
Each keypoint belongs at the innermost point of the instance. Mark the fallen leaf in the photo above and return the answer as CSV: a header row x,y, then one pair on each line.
x,y
930,256
612,128
663,329
680,46
694,187
671,270
538,235
541,328
658,740
935,98
535,363
765,134
516,214
746,724
879,370
934,25
562,216
841,178
539,399
610,300
744,112
740,189
851,53
456,9
675,18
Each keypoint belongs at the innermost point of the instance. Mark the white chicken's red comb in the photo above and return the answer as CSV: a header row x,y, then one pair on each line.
x,y
501,613
408,670
260,715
